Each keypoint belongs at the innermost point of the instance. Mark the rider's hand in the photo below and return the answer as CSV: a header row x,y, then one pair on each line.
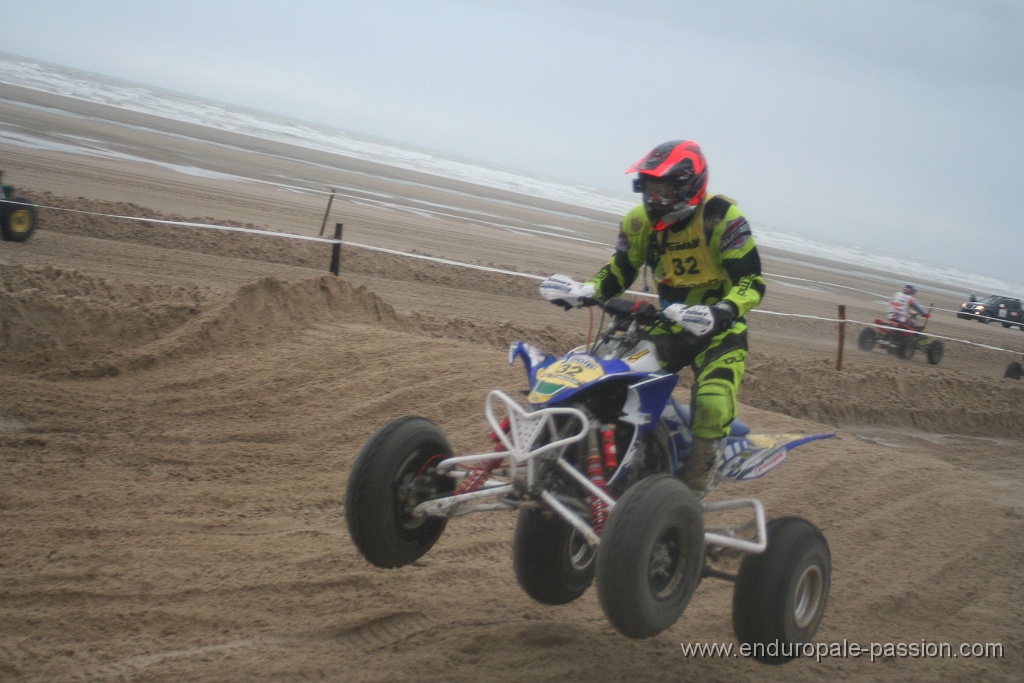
x,y
702,320
564,291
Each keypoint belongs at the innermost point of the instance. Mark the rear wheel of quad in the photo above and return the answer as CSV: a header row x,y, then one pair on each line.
x,y
935,351
780,595
651,556
1014,371
905,348
554,564
17,221
393,473
867,339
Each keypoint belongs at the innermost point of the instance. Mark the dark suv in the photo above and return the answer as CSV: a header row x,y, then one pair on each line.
x,y
1002,308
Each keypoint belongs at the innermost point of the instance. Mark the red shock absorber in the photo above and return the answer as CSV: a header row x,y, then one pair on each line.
x,y
598,508
608,449
479,475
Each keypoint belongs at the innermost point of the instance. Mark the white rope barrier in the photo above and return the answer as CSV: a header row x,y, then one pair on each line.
x,y
502,271
228,228
447,262
852,289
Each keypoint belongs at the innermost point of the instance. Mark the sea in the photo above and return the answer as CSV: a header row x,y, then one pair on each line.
x,y
70,82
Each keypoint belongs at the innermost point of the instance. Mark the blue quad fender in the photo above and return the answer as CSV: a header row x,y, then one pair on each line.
x,y
747,456
558,381
568,379
533,358
754,455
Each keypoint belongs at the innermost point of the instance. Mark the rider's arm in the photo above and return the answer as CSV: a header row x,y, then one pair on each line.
x,y
917,307
740,260
618,274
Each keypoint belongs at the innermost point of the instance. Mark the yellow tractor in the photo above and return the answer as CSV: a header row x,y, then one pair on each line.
x,y
17,214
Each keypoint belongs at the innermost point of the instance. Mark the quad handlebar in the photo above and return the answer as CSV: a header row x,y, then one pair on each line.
x,y
624,308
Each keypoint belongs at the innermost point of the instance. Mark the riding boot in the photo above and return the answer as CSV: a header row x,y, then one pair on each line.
x,y
702,465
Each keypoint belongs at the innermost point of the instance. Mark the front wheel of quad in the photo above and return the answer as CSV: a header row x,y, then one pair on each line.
x,y
553,562
935,351
393,473
650,557
1014,371
17,221
780,594
867,339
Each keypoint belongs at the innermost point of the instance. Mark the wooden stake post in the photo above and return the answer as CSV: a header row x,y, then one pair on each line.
x,y
323,224
842,336
336,250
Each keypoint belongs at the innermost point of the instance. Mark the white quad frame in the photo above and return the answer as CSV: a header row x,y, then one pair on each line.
x,y
524,431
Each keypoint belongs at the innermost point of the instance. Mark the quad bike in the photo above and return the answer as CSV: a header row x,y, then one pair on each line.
x,y
901,340
590,464
17,215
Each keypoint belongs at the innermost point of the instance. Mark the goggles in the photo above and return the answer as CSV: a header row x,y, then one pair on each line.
x,y
664,192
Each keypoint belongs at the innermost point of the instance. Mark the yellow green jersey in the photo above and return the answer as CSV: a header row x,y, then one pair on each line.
x,y
707,258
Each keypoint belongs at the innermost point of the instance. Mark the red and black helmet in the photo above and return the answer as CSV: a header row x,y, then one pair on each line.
x,y
671,174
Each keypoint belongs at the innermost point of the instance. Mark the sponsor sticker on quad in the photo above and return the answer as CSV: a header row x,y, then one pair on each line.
x,y
637,356
570,373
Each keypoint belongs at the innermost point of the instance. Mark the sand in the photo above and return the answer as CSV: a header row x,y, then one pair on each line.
x,y
180,409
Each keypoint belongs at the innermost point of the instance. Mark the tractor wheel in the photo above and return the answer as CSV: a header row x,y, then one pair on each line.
x,y
17,221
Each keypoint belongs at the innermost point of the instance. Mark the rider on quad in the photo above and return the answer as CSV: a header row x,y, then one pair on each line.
x,y
708,271
903,308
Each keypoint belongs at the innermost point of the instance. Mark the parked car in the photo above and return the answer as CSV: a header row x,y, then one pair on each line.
x,y
1002,308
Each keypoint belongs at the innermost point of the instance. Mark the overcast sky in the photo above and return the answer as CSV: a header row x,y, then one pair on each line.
x,y
896,125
